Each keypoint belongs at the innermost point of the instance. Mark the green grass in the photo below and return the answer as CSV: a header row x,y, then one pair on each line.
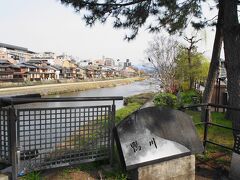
x,y
32,176
134,103
125,111
140,98
215,134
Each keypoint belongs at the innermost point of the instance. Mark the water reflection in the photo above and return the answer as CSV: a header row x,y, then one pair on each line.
x,y
124,90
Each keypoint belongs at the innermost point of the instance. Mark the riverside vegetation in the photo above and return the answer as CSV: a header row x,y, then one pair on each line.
x,y
100,170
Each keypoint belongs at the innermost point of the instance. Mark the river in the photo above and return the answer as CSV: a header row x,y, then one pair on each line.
x,y
45,132
123,90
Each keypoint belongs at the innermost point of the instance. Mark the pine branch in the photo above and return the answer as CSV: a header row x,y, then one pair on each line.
x,y
84,3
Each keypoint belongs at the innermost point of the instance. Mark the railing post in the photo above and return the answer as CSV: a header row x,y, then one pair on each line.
x,y
206,121
111,133
12,142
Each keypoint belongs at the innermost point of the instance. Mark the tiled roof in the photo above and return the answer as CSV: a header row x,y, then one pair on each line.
x,y
27,65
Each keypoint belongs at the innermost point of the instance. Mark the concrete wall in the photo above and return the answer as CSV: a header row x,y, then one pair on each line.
x,y
177,169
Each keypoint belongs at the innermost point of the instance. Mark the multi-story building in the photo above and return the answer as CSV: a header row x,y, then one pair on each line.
x,y
69,68
80,73
29,72
108,72
3,53
5,56
18,63
129,72
85,63
109,62
44,69
99,62
47,56
127,63
17,53
93,71
9,71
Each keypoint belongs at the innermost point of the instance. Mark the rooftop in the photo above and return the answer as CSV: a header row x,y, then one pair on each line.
x,y
4,61
13,47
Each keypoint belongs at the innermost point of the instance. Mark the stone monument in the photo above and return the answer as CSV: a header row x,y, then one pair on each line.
x,y
158,143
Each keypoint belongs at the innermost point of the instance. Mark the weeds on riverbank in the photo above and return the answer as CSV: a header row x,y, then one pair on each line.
x,y
133,104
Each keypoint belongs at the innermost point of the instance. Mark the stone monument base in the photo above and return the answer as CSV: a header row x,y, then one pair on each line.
x,y
4,177
235,168
176,169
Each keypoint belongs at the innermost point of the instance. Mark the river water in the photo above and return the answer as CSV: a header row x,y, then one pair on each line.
x,y
123,90
44,132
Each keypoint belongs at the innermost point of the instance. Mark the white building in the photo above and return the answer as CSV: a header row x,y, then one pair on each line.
x,y
49,56
17,53
109,62
85,63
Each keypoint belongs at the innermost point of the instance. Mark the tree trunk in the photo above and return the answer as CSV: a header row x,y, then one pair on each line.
x,y
190,67
213,69
232,58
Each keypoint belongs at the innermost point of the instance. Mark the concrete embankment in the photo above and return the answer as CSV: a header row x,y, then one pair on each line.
x,y
50,89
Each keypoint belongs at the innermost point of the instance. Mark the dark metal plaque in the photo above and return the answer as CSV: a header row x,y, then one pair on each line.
x,y
155,134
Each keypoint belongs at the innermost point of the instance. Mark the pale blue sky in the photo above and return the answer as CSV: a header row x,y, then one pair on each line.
x,y
47,25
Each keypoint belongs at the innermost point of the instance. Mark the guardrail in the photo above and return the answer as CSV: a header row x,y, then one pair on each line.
x,y
206,123
49,137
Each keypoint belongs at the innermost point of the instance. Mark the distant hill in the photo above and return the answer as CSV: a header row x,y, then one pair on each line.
x,y
145,68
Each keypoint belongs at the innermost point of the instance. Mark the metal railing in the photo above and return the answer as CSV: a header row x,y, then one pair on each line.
x,y
4,140
207,123
49,137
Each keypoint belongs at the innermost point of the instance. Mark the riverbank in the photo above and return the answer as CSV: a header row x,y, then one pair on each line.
x,y
51,89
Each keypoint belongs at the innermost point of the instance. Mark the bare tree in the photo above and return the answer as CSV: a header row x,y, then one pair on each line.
x,y
192,46
162,54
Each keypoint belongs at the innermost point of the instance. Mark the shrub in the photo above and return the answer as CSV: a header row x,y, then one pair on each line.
x,y
189,97
185,86
165,100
